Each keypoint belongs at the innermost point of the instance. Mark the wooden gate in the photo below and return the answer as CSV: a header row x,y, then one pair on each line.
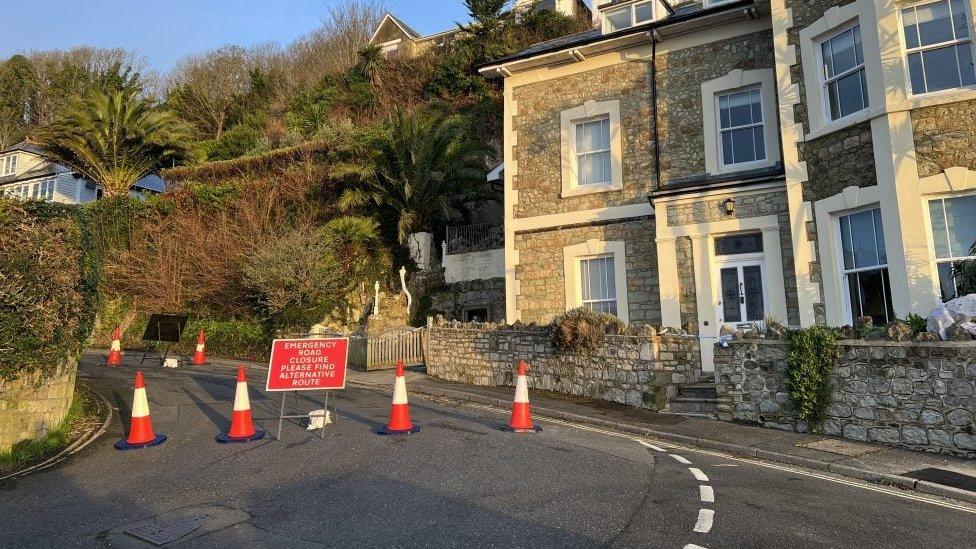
x,y
384,349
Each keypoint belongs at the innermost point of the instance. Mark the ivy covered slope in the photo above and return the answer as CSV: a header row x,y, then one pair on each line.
x,y
48,286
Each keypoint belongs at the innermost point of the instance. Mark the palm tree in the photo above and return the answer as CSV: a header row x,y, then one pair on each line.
x,y
114,138
369,63
424,170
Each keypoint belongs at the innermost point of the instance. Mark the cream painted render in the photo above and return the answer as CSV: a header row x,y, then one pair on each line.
x,y
765,80
589,249
570,167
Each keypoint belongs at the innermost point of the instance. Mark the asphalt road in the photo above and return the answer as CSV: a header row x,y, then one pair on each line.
x,y
460,482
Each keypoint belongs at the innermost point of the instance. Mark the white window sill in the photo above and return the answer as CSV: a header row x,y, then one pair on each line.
x,y
940,97
746,166
579,190
859,117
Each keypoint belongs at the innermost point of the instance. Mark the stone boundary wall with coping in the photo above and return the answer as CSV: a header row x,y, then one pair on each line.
x,y
32,406
920,396
642,371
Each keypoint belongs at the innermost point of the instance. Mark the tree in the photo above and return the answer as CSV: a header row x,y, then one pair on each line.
x,y
18,90
114,139
487,16
370,63
205,89
423,170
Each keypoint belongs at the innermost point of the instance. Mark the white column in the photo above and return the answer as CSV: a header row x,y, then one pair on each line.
x,y
705,293
670,289
775,286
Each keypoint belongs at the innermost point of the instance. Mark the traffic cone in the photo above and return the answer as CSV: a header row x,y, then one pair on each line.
x,y
400,423
200,356
521,421
241,424
115,352
141,433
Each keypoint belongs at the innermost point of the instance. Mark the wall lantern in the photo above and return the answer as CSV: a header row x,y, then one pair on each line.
x,y
730,207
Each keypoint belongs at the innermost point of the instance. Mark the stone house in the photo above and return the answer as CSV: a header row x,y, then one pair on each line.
x,y
718,163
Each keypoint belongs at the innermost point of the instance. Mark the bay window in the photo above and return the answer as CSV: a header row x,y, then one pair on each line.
x,y
865,266
938,45
845,82
953,227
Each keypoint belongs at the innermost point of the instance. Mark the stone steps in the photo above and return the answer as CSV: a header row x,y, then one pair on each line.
x,y
696,400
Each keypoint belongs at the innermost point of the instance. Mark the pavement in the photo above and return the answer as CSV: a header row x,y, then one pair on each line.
x,y
460,482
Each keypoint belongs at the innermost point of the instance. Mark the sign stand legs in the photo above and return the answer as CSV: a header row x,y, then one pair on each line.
x,y
281,416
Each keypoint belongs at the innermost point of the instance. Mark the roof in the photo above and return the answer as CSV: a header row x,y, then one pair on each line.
x,y
45,170
396,21
24,146
683,13
151,182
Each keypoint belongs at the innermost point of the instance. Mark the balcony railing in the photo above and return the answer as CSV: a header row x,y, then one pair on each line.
x,y
474,238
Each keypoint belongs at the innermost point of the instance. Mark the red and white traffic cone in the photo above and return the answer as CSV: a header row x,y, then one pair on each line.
x,y
115,352
399,423
141,433
241,424
200,356
521,421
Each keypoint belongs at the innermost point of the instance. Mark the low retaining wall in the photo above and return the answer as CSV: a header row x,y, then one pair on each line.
x,y
30,406
634,370
920,396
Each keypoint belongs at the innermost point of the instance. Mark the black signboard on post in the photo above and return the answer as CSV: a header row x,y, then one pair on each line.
x,y
164,328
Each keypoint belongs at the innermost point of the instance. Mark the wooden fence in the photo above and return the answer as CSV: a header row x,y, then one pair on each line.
x,y
383,350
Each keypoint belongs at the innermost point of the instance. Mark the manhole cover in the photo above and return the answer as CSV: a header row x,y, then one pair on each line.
x,y
161,533
841,447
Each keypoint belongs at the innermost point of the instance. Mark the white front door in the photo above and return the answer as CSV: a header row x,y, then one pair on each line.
x,y
742,290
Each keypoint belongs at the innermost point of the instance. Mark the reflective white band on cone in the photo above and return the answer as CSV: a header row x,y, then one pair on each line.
x,y
140,404
116,345
241,401
199,347
522,390
400,391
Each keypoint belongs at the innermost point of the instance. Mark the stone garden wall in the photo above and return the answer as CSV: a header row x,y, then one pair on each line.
x,y
641,371
30,407
915,395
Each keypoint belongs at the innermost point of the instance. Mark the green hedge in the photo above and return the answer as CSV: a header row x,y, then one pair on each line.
x,y
49,277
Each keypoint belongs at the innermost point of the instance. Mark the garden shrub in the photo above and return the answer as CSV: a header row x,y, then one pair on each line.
x,y
48,286
810,361
582,330
241,339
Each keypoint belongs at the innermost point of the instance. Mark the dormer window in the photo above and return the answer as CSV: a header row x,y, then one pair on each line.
x,y
8,165
631,15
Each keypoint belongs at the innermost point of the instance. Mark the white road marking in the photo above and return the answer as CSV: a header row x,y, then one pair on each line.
x,y
704,524
680,459
707,494
651,446
699,475
693,546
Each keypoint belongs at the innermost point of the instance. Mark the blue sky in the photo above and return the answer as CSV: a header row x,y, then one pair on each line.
x,y
166,31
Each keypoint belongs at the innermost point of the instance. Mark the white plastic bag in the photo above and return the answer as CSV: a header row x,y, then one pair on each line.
x,y
964,306
939,321
317,421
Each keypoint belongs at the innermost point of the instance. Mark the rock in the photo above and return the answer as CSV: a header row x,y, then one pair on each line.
x,y
726,330
689,328
964,306
897,330
848,332
875,334
915,436
923,337
959,418
930,417
775,330
969,327
864,323
965,441
957,332
855,432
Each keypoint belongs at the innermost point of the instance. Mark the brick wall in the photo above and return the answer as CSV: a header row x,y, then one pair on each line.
x,y
634,370
915,395
31,407
542,280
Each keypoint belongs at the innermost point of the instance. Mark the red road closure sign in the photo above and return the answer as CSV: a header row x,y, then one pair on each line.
x,y
308,364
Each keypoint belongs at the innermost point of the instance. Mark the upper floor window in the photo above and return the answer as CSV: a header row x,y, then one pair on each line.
x,y
939,47
593,159
632,15
8,164
741,127
954,238
845,81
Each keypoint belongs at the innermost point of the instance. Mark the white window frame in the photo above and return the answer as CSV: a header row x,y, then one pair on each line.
x,y
588,302
936,260
633,15
844,271
825,81
739,80
587,112
906,51
581,154
573,254
9,164
735,166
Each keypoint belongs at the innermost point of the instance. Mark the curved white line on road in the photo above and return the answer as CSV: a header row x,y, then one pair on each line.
x,y
651,446
705,518
680,459
699,475
707,494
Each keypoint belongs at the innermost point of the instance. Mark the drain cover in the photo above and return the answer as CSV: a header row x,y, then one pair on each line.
x,y
841,447
161,533
945,478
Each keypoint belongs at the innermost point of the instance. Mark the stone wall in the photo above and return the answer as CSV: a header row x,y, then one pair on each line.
x,y
541,276
842,159
634,370
451,300
945,137
713,209
920,396
538,149
31,407
680,76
